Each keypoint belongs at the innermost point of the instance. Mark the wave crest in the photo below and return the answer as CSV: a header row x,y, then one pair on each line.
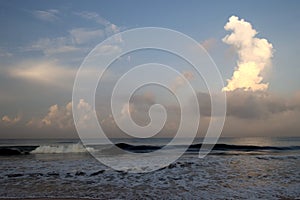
x,y
62,148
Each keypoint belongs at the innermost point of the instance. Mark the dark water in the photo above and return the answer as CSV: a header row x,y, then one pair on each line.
x,y
264,168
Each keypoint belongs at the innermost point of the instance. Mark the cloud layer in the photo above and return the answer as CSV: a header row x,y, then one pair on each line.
x,y
249,113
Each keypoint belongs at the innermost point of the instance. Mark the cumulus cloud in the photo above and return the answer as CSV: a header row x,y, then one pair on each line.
x,y
10,121
61,117
180,82
254,55
57,117
86,113
137,109
127,109
249,113
209,44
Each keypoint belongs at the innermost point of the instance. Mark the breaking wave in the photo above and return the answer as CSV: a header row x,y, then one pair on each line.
x,y
44,149
62,148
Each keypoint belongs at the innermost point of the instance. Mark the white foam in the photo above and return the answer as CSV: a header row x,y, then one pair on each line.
x,y
62,148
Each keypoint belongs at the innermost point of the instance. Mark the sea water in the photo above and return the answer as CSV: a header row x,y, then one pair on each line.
x,y
264,168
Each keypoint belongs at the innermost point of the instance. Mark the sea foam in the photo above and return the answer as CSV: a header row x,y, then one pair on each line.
x,y
63,148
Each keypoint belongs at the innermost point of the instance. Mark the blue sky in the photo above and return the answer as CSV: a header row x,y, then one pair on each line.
x,y
199,19
42,44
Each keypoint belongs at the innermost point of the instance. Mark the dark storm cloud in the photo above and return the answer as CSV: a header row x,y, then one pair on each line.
x,y
250,105
254,105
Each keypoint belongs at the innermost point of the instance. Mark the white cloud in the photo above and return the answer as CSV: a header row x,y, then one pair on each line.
x,y
127,110
57,117
10,121
51,73
108,49
47,72
110,28
54,46
254,55
180,82
93,16
83,35
46,15
4,53
78,40
209,44
61,117
86,113
249,114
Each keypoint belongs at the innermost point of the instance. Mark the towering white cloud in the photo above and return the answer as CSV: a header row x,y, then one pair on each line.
x,y
254,54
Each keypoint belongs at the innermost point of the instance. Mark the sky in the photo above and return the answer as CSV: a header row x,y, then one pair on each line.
x,y
254,44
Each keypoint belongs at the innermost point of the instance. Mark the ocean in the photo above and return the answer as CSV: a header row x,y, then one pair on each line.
x,y
236,168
